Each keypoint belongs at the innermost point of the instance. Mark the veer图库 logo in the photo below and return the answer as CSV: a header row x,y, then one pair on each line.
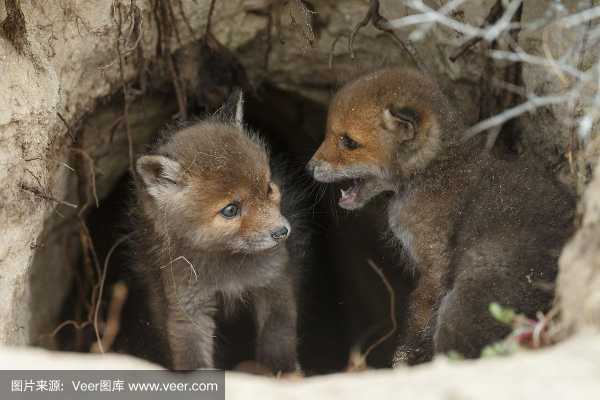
x,y
112,385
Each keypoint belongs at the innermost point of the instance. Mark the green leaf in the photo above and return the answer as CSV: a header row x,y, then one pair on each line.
x,y
502,314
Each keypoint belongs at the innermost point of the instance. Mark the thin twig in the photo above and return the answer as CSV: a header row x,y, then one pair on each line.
x,y
113,321
49,197
494,14
69,130
532,104
269,44
171,18
92,169
193,269
185,18
102,280
64,164
119,21
89,246
179,90
211,10
77,325
332,49
364,22
382,24
392,310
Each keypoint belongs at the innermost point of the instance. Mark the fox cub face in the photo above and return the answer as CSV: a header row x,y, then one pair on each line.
x,y
378,131
211,186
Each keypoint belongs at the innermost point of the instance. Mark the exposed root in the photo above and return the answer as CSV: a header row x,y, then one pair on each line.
x,y
211,10
64,164
77,325
301,15
495,13
113,321
379,22
69,130
167,27
46,196
92,172
88,249
392,299
99,341
179,89
269,47
92,273
168,10
118,18
185,18
332,49
494,103
358,361
43,193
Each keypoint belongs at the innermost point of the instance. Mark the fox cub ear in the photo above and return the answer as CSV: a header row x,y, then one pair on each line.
x,y
233,108
402,121
160,174
239,109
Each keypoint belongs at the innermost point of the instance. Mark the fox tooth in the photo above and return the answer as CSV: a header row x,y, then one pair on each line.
x,y
344,193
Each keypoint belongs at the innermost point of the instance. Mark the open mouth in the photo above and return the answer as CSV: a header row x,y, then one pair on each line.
x,y
350,196
355,193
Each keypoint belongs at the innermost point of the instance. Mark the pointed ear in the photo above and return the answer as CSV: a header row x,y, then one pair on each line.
x,y
160,174
402,121
233,108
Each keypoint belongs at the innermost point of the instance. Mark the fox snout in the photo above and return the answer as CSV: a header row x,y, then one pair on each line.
x,y
274,236
321,170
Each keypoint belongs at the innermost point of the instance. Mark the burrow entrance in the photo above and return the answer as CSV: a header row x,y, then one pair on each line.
x,y
344,304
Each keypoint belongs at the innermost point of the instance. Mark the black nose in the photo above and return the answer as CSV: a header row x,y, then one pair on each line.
x,y
280,233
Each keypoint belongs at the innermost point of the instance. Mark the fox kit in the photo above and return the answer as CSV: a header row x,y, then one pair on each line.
x,y
476,229
209,236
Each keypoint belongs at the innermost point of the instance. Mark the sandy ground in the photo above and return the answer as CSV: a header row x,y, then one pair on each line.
x,y
570,371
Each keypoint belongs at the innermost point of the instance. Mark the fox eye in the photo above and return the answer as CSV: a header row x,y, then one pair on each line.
x,y
348,143
230,210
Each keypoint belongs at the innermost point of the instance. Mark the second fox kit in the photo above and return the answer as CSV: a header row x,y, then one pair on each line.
x,y
477,229
210,233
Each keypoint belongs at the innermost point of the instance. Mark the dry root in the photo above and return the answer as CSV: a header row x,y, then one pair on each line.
x,y
357,360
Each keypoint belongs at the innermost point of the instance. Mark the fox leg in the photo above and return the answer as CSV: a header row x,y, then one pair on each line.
x,y
465,324
275,316
191,335
417,346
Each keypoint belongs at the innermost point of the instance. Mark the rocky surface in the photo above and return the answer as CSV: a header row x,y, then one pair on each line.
x,y
579,279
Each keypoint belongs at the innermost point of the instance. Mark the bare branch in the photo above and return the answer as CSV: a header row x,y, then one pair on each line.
x,y
532,104
581,17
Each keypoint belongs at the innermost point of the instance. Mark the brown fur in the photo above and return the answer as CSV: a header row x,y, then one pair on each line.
x,y
476,229
182,187
361,118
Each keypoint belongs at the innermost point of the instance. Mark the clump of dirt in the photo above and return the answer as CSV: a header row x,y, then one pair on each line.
x,y
13,27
